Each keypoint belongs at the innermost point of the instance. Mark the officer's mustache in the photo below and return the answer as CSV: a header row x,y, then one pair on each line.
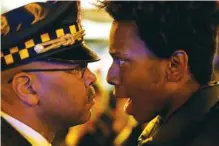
x,y
91,93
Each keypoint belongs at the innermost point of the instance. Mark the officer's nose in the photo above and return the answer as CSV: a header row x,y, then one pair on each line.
x,y
90,78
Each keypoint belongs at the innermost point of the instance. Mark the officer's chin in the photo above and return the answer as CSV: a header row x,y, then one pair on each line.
x,y
83,120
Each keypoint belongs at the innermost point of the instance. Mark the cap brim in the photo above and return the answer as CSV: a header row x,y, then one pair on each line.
x,y
76,54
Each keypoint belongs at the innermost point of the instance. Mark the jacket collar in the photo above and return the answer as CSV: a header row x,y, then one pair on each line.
x,y
10,136
193,111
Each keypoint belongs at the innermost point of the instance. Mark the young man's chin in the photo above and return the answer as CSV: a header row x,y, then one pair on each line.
x,y
128,107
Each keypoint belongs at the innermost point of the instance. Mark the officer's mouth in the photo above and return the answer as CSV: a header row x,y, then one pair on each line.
x,y
91,95
91,100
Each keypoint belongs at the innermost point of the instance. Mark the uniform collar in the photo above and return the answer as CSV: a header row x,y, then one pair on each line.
x,y
31,135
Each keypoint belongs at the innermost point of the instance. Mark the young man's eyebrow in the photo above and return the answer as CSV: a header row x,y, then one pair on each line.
x,y
119,55
113,53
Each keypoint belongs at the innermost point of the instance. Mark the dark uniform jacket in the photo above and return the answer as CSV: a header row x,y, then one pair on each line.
x,y
196,123
10,137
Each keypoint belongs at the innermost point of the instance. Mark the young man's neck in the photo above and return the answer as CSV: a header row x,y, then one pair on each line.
x,y
180,97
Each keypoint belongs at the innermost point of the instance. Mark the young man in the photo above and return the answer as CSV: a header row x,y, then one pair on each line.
x,y
46,85
162,60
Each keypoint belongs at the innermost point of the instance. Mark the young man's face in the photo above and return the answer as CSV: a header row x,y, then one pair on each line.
x,y
65,96
135,73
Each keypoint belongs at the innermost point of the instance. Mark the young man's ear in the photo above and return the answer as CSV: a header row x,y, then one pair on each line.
x,y
177,66
23,86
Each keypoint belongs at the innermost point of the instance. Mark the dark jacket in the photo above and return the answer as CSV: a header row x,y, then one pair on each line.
x,y
196,123
10,137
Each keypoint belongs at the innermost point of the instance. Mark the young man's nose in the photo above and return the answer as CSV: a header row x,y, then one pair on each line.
x,y
113,76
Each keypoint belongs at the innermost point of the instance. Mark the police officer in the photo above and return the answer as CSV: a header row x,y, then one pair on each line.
x,y
46,85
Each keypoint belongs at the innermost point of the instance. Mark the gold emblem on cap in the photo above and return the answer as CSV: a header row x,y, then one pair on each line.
x,y
65,40
5,28
37,11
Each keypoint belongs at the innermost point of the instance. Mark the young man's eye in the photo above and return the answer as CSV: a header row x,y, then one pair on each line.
x,y
121,62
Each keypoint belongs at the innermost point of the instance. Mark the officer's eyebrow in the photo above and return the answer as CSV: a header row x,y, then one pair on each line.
x,y
77,65
56,64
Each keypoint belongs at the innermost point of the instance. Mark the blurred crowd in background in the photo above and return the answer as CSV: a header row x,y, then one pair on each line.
x,y
109,125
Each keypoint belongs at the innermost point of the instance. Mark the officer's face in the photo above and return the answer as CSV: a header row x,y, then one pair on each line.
x,y
135,73
65,96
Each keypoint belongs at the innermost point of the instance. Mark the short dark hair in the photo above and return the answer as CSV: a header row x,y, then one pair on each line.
x,y
169,26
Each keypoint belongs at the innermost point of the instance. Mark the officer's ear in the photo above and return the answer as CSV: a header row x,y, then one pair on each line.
x,y
23,86
177,66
